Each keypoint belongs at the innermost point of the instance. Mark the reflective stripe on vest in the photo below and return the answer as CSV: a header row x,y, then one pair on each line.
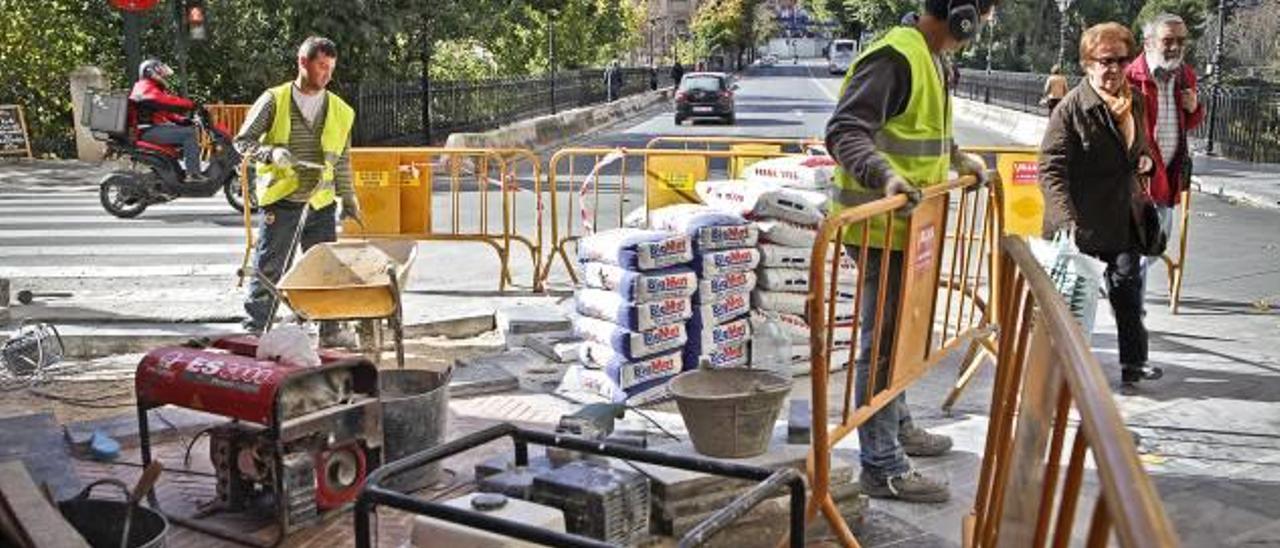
x,y
283,181
916,143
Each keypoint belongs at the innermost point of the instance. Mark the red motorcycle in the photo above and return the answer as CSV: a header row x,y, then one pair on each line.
x,y
156,176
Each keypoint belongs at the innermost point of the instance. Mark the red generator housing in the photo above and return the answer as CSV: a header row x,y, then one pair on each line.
x,y
299,438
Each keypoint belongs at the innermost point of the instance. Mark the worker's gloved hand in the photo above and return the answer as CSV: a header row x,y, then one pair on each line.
x,y
968,164
897,185
351,209
281,157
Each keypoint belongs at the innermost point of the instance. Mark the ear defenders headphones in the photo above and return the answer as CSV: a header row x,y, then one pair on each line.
x,y
963,19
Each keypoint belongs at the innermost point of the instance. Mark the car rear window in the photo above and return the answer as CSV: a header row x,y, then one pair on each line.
x,y
702,83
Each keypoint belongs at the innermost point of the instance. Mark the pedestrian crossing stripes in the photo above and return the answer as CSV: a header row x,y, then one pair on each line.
x,y
175,262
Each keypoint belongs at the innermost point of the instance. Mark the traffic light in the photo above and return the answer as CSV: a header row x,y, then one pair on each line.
x,y
195,16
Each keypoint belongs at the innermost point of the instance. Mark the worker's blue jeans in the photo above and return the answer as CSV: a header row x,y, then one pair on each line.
x,y
275,236
881,452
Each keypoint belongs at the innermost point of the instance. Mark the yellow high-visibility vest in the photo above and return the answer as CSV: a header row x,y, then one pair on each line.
x,y
916,143
283,181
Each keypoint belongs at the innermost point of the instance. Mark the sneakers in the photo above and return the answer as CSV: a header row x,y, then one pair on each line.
x,y
918,442
1130,375
908,487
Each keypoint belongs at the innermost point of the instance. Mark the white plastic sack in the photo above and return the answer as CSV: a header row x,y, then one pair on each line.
x,y
289,344
632,345
627,374
579,379
764,200
1077,276
786,234
715,263
797,329
636,249
712,288
722,310
610,306
708,228
804,172
796,280
641,287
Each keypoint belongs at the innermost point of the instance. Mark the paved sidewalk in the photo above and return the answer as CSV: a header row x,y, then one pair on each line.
x,y
1256,184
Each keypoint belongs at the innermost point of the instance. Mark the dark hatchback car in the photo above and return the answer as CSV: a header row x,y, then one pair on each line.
x,y
705,95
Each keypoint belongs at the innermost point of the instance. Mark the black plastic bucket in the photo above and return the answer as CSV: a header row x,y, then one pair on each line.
x,y
101,522
415,412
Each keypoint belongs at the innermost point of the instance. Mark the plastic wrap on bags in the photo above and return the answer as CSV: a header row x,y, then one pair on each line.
x,y
631,345
610,306
715,263
786,234
635,249
708,228
763,200
716,287
803,172
625,373
641,287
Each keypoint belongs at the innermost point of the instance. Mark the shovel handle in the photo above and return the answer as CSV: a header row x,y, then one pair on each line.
x,y
146,482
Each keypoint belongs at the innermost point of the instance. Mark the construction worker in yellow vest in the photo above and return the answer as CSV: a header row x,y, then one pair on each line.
x,y
891,134
291,128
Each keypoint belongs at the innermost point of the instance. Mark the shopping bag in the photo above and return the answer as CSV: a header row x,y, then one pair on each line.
x,y
1077,277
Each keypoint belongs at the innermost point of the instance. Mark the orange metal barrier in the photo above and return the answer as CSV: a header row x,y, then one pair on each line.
x,y
229,116
489,196
1045,369
945,270
664,177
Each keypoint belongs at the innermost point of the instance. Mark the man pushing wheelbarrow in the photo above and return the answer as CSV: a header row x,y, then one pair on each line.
x,y
299,136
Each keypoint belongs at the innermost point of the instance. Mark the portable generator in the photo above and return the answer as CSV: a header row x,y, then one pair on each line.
x,y
299,440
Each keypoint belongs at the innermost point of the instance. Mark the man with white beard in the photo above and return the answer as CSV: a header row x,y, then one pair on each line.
x,y
1168,87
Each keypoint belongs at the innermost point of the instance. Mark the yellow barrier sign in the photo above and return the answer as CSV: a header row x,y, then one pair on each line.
x,y
670,179
372,176
740,163
1023,201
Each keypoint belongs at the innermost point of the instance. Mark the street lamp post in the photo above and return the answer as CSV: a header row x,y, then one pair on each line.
x,y
1216,88
1063,7
551,56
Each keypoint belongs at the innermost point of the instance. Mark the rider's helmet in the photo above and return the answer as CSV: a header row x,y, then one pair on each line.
x,y
155,69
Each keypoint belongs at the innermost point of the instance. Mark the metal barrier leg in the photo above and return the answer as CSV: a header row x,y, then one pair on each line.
x,y
968,367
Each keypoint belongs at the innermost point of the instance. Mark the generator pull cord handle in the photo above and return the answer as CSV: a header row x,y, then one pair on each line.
x,y
293,245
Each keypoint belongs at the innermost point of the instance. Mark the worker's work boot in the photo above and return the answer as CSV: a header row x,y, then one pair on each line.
x,y
909,487
918,442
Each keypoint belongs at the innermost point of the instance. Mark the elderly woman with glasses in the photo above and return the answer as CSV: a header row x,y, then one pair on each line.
x,y
1093,152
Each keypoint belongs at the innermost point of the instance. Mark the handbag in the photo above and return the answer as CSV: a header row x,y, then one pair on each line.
x,y
1148,233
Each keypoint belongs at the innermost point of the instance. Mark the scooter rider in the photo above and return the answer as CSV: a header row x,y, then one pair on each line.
x,y
162,116
298,119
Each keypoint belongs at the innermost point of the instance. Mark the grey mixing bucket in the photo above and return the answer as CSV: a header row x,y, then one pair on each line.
x,y
415,409
730,412
101,522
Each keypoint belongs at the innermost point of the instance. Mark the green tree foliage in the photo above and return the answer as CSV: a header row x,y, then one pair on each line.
x,y
251,45
732,27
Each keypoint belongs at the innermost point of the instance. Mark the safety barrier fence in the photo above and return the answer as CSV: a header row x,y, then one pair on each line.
x,y
935,272
487,196
1045,370
945,302
229,116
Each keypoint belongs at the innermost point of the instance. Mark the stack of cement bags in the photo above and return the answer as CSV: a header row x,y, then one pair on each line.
x,y
786,199
724,259
632,307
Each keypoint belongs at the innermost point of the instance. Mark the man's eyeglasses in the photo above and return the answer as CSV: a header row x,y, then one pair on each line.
x,y
1119,62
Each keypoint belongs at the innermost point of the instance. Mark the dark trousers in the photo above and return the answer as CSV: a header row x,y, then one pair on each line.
x,y
881,453
279,221
173,134
1124,277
